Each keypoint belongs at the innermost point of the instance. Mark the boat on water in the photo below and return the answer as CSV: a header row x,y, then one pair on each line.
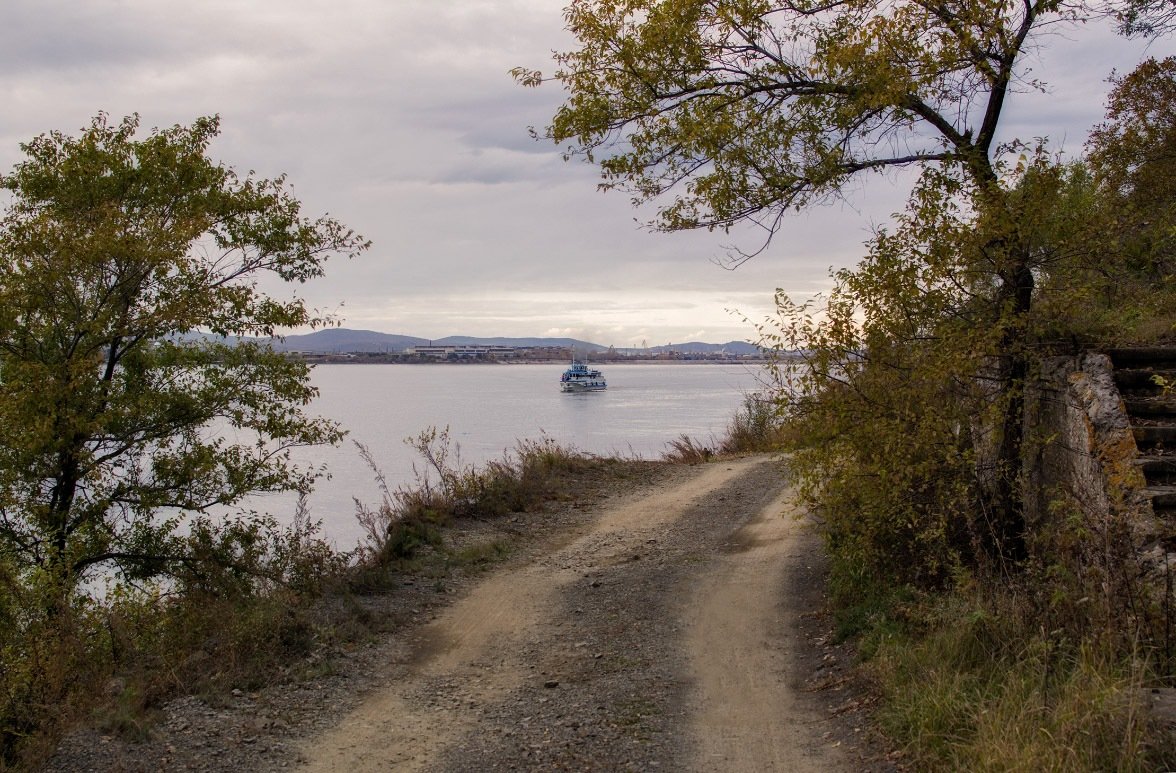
x,y
580,378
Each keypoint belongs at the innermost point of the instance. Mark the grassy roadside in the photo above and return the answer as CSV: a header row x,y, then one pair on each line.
x,y
974,679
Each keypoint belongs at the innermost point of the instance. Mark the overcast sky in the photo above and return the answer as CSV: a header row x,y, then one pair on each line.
x,y
399,118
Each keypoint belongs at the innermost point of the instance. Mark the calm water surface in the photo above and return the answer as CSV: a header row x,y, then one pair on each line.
x,y
489,407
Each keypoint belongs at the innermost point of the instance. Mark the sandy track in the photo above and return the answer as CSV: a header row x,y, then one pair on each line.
x,y
747,715
674,631
475,643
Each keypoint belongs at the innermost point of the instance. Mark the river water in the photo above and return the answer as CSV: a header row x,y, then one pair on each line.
x,y
489,407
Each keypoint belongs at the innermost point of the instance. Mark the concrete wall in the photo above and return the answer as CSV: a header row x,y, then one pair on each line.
x,y
1083,488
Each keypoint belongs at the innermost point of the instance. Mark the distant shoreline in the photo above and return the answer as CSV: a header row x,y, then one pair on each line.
x,y
379,359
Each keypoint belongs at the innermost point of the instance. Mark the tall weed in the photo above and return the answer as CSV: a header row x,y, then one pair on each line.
x,y
687,450
756,427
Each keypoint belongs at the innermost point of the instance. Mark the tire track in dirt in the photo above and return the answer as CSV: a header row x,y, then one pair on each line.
x,y
742,628
475,643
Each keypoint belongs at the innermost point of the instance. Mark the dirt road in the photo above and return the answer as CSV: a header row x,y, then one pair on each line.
x,y
666,635
676,627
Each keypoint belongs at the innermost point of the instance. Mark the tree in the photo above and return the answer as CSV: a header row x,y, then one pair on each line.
x,y
729,111
118,419
1133,155
1110,275
883,421
894,421
743,110
1144,18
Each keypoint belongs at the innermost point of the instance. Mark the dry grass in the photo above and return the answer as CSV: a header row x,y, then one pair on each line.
x,y
983,688
755,428
411,518
686,450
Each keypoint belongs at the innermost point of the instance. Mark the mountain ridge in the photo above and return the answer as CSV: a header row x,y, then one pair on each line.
x,y
346,340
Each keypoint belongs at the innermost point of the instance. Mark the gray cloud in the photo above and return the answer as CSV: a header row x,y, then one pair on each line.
x,y
400,119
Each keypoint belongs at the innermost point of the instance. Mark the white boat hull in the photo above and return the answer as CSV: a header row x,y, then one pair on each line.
x,y
583,386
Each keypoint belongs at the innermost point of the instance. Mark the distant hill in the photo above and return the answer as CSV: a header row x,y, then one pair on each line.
x,y
341,340
337,340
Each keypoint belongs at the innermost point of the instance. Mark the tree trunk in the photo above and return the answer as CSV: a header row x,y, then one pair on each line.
x,y
61,501
1004,539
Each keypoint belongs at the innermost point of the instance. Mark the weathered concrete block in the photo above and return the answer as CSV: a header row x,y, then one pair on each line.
x,y
1083,468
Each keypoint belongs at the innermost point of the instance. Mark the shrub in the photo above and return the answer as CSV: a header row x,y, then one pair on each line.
x,y
756,427
234,614
50,667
